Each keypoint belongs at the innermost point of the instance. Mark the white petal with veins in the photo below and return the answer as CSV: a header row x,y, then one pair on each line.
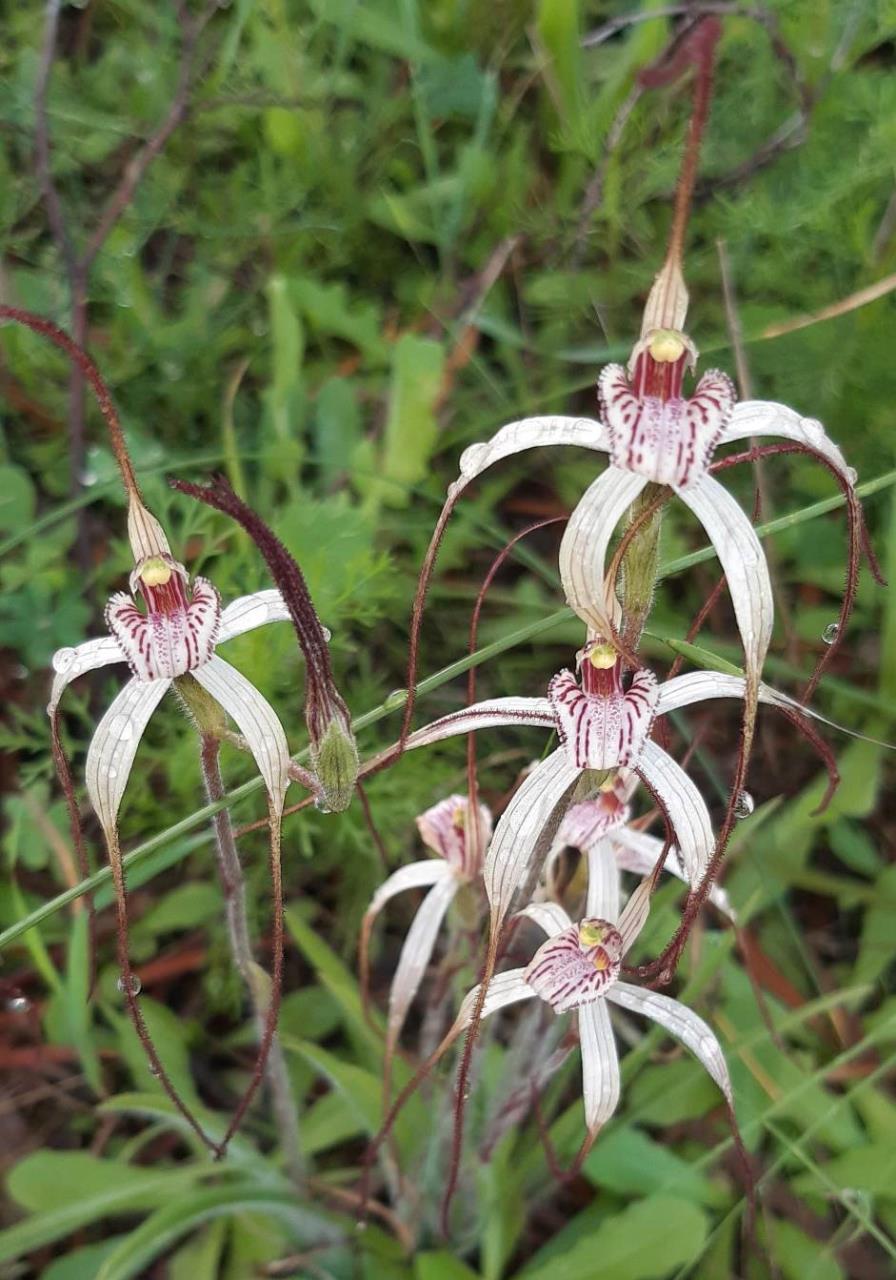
x,y
743,561
521,828
504,989
602,899
528,433
686,808
68,664
583,550
113,746
249,612
416,875
600,1065
633,916
638,852
549,916
256,719
766,418
416,952
682,1023
484,715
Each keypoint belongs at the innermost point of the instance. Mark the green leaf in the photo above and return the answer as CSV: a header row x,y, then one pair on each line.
x,y
411,429
646,1241
628,1162
877,946
702,658
17,501
335,977
441,1266
870,1168
82,1264
799,1256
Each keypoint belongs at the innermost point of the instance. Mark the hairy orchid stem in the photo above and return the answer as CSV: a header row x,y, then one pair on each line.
x,y
83,362
233,884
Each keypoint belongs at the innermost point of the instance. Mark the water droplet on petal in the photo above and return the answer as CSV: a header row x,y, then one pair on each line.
x,y
122,728
18,1004
831,632
110,771
136,985
63,660
852,475
744,805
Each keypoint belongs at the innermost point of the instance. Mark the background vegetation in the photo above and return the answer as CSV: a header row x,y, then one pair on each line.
x,y
381,230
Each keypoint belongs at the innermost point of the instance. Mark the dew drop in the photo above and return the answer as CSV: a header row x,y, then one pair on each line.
x,y
852,475
154,1070
122,728
110,771
397,698
361,1225
831,632
744,805
136,985
321,805
18,1004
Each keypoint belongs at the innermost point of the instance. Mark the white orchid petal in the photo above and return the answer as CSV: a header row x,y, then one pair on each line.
x,y
249,612
633,916
584,547
484,715
110,756
529,433
68,664
766,418
504,989
685,806
743,561
416,875
256,719
602,899
638,852
549,916
524,827
416,952
699,686
600,1065
682,1023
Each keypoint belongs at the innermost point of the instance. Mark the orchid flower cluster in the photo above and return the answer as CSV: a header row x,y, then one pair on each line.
x,y
602,717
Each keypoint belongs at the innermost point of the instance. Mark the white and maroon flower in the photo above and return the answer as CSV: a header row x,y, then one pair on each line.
x,y
176,636
577,969
458,835
654,433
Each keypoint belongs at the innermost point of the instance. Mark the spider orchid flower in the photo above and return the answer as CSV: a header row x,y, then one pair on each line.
x,y
653,432
602,726
448,830
603,823
177,636
577,969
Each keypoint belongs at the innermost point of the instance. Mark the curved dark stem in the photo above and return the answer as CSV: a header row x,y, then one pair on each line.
x,y
129,983
857,538
374,830
472,781
64,775
559,1174
82,361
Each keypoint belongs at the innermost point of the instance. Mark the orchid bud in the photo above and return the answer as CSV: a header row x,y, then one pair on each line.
x,y
334,755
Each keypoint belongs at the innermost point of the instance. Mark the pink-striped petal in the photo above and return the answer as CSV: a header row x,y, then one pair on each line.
x,y
743,561
416,953
576,966
766,418
583,551
161,645
256,719
528,433
113,746
668,441
684,804
445,829
600,1065
681,1022
68,664
603,731
526,830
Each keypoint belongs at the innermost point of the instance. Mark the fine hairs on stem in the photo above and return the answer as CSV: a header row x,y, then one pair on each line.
x,y
233,884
